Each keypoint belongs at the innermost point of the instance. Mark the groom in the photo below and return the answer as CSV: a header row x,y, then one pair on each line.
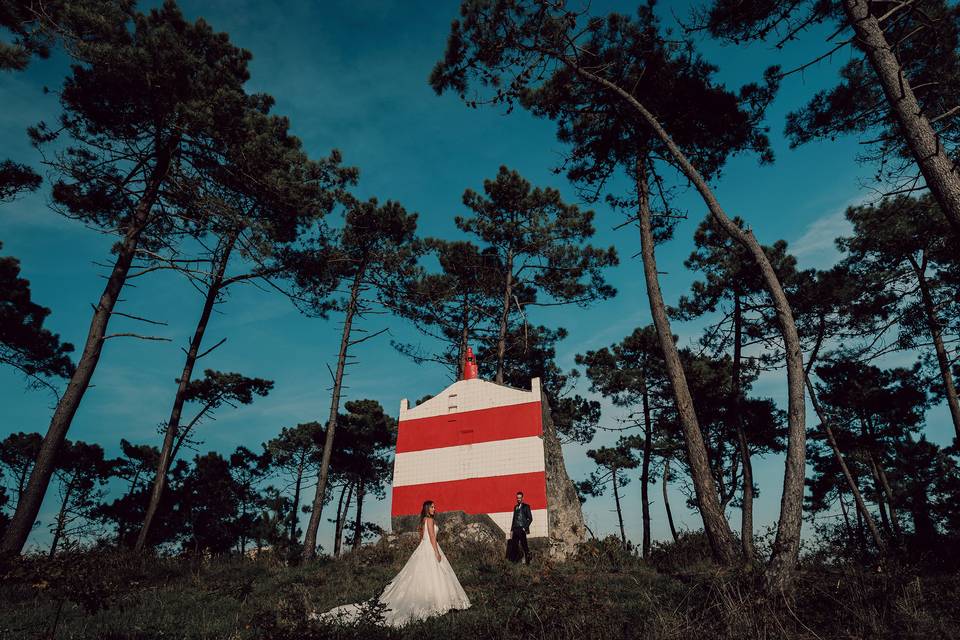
x,y
520,527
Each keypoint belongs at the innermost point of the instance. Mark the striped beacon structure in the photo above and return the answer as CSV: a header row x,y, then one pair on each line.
x,y
471,448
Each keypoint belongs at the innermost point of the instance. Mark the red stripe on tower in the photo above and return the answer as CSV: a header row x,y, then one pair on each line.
x,y
473,495
470,427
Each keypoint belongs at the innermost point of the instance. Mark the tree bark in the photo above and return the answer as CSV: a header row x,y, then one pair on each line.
x,y
939,171
616,501
786,546
29,504
504,318
295,508
645,470
879,497
846,515
851,483
61,518
358,522
310,539
342,509
746,508
936,333
888,493
464,336
173,424
714,522
666,499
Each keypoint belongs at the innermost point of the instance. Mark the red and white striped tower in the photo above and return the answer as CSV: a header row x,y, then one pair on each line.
x,y
471,448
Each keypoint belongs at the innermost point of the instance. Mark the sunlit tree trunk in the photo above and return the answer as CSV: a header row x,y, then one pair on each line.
x,y
938,169
28,506
173,423
310,539
714,522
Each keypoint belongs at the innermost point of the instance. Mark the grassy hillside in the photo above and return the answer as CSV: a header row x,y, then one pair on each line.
x,y
605,593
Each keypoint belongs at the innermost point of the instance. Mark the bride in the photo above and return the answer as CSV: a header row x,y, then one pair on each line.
x,y
426,586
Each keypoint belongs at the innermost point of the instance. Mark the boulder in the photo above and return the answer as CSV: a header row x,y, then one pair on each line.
x,y
455,526
566,526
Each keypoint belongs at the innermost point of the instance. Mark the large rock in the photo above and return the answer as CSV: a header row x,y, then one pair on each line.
x,y
456,526
567,529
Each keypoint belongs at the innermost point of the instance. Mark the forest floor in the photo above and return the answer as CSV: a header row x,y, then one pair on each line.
x,y
604,593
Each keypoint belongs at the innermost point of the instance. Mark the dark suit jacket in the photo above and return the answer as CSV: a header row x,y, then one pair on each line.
x,y
522,517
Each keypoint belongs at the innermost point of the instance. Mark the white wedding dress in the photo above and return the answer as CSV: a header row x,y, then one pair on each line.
x,y
423,588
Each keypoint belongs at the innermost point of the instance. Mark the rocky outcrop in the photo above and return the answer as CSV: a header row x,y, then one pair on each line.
x,y
456,526
566,527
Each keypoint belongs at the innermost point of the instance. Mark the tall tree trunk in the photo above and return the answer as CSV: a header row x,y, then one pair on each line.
x,y
666,499
939,171
504,318
616,501
173,424
358,522
860,535
342,508
943,359
62,517
846,514
851,483
786,546
888,492
645,470
746,508
310,539
464,336
243,531
29,504
295,508
714,522
879,497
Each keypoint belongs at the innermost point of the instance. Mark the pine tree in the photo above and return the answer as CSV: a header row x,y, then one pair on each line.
x,y
903,258
898,88
540,242
604,65
632,373
24,343
147,103
375,251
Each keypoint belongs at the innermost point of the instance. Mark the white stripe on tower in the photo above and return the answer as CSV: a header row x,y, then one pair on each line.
x,y
470,395
480,460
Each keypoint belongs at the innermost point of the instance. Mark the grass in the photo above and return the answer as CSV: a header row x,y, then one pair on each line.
x,y
604,593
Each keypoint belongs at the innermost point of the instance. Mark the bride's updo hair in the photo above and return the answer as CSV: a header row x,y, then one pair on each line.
x,y
424,514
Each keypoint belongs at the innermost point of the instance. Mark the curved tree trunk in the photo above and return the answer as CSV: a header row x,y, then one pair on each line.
x,y
666,499
714,522
936,333
28,506
786,546
310,539
173,424
939,171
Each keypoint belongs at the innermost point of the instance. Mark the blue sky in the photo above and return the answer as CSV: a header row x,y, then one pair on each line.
x,y
352,75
